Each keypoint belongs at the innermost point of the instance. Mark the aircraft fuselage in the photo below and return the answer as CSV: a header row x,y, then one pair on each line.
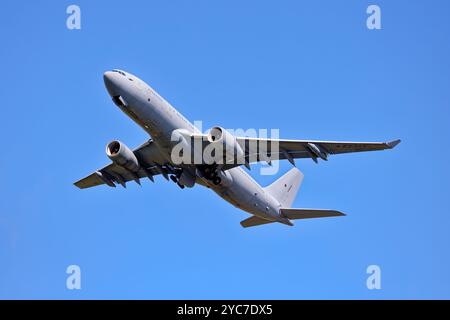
x,y
159,119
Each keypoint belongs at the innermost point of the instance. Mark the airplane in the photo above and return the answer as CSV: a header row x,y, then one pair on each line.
x,y
228,179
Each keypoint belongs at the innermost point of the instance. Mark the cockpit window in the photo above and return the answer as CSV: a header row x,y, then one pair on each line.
x,y
118,71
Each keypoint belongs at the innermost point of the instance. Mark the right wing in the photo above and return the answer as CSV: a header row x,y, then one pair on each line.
x,y
150,159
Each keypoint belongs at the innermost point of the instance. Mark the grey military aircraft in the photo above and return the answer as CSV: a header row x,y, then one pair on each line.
x,y
167,128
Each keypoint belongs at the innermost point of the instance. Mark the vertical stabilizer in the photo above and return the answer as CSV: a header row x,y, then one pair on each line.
x,y
286,187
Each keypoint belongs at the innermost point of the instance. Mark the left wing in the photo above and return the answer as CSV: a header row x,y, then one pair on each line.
x,y
150,159
261,149
246,150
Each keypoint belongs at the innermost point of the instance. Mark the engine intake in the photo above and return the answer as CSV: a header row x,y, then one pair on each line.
x,y
226,180
121,155
224,142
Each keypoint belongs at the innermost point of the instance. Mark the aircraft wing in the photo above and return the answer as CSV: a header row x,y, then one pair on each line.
x,y
261,149
150,159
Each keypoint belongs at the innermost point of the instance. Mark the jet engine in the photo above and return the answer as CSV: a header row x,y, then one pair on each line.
x,y
121,155
186,179
225,142
223,178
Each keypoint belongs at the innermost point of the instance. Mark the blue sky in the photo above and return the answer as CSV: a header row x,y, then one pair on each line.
x,y
310,68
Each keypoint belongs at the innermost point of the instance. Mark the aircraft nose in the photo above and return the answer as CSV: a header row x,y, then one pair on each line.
x,y
110,80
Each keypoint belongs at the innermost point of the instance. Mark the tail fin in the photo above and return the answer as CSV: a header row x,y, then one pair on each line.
x,y
286,187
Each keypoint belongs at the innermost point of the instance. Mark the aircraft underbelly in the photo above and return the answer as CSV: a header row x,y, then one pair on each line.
x,y
246,195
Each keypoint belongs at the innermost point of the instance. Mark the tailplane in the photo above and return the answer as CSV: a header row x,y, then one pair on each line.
x,y
293,214
285,190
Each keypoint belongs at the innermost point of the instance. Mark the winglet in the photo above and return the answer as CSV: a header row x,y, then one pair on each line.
x,y
392,144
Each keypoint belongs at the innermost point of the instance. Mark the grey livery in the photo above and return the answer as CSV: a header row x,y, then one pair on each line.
x,y
230,181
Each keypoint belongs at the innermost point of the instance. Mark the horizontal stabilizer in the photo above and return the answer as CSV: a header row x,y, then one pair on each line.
x,y
392,144
254,221
295,214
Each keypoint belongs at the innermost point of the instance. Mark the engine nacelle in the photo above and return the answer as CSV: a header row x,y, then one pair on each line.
x,y
121,155
225,141
187,179
226,179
